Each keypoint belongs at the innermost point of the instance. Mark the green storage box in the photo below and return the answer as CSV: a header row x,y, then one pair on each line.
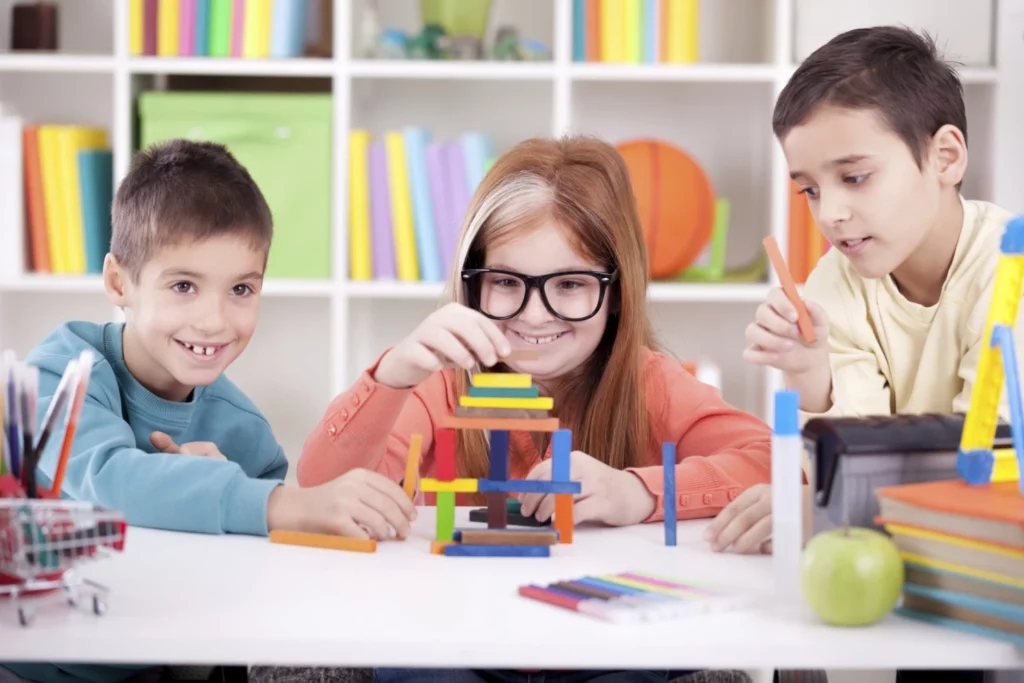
x,y
284,140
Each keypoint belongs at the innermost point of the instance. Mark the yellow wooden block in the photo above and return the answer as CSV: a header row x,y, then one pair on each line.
x,y
1005,467
454,486
539,403
505,380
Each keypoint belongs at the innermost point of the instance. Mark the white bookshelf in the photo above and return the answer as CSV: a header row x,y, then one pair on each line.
x,y
316,336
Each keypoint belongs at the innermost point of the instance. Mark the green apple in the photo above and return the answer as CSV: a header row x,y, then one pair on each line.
x,y
851,576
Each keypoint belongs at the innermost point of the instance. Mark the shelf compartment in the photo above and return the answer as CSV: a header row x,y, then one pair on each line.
x,y
84,27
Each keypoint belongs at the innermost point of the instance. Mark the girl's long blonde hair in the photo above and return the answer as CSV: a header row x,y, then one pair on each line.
x,y
582,184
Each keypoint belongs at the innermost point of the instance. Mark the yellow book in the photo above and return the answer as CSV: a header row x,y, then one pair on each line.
x,y
53,202
256,34
360,263
612,45
631,23
71,140
167,28
135,27
682,31
266,26
401,208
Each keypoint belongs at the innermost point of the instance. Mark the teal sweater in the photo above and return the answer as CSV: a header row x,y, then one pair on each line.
x,y
114,464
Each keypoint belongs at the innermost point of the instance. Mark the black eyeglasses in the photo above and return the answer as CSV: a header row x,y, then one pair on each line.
x,y
573,295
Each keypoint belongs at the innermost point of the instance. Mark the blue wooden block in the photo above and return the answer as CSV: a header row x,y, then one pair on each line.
x,y
499,455
561,447
459,550
528,486
505,392
668,457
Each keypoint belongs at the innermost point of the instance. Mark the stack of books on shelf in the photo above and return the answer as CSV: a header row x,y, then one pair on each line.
x,y
636,31
408,195
55,201
963,552
250,29
806,243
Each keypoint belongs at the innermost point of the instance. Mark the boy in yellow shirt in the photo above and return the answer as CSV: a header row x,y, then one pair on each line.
x,y
874,130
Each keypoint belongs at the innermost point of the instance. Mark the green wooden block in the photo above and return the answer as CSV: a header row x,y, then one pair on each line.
x,y
445,515
284,141
505,392
512,505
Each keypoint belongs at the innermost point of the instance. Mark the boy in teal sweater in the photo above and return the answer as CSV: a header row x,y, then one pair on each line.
x,y
164,437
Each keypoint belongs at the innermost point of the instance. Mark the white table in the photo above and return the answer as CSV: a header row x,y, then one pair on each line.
x,y
184,599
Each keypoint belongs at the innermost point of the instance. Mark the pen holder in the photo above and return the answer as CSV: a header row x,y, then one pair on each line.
x,y
34,26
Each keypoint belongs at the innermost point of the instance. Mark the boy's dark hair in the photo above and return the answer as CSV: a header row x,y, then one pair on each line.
x,y
185,190
890,69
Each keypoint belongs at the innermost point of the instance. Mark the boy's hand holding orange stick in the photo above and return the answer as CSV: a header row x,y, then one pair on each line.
x,y
803,319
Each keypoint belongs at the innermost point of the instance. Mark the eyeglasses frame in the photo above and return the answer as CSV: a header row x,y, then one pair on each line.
x,y
537,282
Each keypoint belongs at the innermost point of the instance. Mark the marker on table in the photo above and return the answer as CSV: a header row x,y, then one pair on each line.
x,y
803,318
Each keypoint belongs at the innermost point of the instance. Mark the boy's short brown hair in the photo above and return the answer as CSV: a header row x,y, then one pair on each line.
x,y
890,69
185,190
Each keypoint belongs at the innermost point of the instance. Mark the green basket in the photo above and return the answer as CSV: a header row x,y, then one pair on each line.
x,y
458,17
284,141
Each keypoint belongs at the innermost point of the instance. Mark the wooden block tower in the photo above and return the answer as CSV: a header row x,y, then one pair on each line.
x,y
499,403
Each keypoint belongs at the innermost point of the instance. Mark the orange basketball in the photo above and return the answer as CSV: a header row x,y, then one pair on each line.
x,y
675,200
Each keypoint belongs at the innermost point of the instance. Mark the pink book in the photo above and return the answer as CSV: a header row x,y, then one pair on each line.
x,y
238,28
187,28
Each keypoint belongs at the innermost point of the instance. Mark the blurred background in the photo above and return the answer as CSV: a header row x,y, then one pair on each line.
x,y
368,125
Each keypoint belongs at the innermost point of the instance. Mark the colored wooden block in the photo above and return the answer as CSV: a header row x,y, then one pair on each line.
x,y
668,457
505,392
528,486
453,486
504,413
497,513
564,517
549,424
330,541
561,450
479,515
539,403
506,536
462,550
444,453
445,515
412,465
508,380
437,547
498,455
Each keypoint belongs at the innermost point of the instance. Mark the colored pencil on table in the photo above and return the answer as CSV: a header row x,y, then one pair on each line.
x,y
71,424
10,387
27,394
65,389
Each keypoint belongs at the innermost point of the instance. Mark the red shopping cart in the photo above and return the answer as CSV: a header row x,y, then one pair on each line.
x,y
42,541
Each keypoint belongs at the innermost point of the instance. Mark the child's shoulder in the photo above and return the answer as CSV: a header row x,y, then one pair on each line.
x,y
984,224
67,342
224,395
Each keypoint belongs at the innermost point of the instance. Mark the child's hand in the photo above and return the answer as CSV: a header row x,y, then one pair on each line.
x,y
614,497
359,504
206,449
775,339
745,523
452,336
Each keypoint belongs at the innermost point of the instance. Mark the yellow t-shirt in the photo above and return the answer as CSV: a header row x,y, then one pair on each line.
x,y
890,355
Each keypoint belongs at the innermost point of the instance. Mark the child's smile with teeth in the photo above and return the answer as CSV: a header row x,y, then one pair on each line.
x,y
530,339
201,350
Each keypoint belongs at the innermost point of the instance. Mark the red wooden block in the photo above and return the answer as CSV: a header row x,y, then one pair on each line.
x,y
444,454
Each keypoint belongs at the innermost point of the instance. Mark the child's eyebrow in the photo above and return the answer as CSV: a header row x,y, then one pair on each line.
x,y
847,160
180,272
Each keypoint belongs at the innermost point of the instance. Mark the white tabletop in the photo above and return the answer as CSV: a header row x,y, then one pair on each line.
x,y
183,598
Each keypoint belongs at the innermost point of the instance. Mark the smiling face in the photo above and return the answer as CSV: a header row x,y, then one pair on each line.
x,y
191,312
563,346
867,194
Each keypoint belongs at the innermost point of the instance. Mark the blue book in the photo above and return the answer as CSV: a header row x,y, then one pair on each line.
x,y
96,184
579,30
202,35
287,28
649,31
416,139
476,149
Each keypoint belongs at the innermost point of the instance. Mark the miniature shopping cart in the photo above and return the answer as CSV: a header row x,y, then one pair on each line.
x,y
42,541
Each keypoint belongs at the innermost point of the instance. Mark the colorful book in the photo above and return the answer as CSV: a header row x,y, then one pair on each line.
x,y
360,262
167,28
579,30
201,32
49,162
651,31
428,256
238,11
458,186
187,28
382,247
135,42
287,30
35,206
150,22
401,208
440,201
96,180
221,23
681,31
632,22
476,148
612,46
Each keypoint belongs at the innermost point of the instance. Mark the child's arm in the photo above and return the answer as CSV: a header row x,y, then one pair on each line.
x,y
161,490
370,427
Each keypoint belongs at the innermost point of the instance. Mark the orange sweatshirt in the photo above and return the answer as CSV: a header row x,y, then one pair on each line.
x,y
720,450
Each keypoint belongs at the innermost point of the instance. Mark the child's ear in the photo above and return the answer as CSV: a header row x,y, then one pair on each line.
x,y
949,155
114,277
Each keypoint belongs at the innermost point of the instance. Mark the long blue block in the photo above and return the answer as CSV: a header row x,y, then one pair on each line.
x,y
528,486
459,550
505,392
561,447
668,456
499,455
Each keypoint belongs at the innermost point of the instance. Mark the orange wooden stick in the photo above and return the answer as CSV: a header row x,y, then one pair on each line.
x,y
803,318
330,541
412,466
